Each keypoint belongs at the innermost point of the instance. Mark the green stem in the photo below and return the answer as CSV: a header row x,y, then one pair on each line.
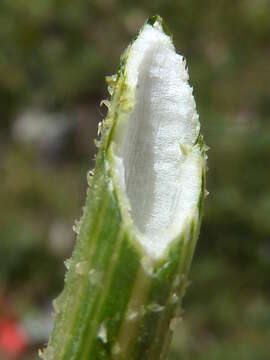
x,y
119,302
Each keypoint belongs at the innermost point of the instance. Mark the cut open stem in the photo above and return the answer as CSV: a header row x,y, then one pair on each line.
x,y
136,238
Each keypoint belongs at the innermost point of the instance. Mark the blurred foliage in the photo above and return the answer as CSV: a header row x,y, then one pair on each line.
x,y
54,55
57,52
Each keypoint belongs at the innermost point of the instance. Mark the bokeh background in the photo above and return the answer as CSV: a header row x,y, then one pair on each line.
x,y
54,55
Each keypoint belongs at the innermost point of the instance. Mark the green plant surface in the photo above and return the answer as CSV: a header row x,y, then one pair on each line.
x,y
119,302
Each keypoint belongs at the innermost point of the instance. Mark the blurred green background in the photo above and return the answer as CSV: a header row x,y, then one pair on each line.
x,y
54,55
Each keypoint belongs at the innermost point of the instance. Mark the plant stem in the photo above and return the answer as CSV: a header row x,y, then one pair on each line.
x,y
119,302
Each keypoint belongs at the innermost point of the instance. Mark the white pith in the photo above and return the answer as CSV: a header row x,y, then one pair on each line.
x,y
157,163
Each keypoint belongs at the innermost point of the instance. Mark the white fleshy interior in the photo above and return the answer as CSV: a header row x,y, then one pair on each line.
x,y
157,165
